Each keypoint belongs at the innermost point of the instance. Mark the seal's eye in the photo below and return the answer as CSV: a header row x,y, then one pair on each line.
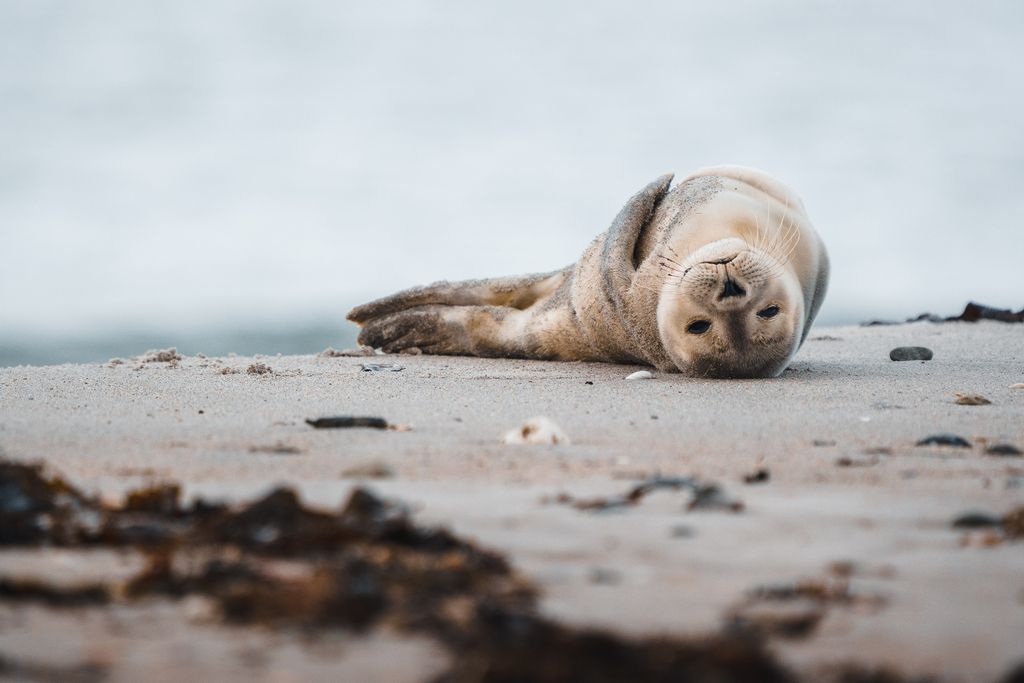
x,y
698,327
769,312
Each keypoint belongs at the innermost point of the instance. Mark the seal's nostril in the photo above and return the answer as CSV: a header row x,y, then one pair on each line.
x,y
732,288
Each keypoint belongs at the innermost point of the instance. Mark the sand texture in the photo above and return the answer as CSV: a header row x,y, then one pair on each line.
x,y
835,495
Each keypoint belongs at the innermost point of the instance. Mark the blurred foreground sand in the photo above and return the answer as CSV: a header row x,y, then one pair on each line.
x,y
848,491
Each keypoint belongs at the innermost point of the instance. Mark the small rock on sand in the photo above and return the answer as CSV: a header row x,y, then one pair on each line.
x,y
347,353
641,374
976,520
1019,385
370,470
712,497
347,422
259,369
276,449
1004,449
945,440
537,431
161,356
971,400
381,367
758,476
910,353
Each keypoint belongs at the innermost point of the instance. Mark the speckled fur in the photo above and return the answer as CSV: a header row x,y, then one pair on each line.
x,y
602,308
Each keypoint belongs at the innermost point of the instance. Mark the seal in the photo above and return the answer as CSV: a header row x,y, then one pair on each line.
x,y
719,276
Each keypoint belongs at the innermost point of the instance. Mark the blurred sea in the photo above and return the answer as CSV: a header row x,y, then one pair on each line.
x,y
233,175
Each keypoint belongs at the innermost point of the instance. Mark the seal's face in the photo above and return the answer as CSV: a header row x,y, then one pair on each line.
x,y
731,310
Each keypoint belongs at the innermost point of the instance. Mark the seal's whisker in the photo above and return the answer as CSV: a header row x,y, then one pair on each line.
x,y
681,260
666,259
789,244
769,247
788,232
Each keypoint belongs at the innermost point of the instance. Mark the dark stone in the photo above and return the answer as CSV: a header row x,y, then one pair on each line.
x,y
346,422
758,477
945,440
976,520
1004,449
910,353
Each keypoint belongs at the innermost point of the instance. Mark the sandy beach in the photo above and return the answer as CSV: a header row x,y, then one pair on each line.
x,y
824,461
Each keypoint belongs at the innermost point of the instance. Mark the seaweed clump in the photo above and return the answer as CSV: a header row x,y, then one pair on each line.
x,y
362,566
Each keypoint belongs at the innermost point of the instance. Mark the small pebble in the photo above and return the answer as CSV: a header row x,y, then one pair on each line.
x,y
160,356
857,461
1019,385
711,497
347,421
641,374
276,449
537,431
910,353
758,477
381,367
606,577
976,520
259,369
1004,449
334,353
971,400
945,440
822,443
681,531
372,470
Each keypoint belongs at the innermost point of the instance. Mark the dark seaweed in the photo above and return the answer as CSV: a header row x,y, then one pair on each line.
x,y
705,496
366,565
972,313
30,590
945,440
347,422
13,669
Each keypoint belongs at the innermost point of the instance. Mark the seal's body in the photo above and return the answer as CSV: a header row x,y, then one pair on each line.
x,y
721,276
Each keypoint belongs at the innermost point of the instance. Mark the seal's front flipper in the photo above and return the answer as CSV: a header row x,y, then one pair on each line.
x,y
514,292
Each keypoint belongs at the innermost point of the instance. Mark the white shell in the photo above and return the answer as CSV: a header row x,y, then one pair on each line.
x,y
537,430
641,374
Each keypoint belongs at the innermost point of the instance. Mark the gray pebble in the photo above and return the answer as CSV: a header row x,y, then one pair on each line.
x,y
976,520
1004,449
910,353
945,440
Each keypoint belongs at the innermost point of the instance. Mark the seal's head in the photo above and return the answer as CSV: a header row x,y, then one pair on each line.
x,y
731,309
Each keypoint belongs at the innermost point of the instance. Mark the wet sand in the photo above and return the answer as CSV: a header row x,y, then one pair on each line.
x,y
849,497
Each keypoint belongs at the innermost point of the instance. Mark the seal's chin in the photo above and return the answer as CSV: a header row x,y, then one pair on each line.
x,y
719,361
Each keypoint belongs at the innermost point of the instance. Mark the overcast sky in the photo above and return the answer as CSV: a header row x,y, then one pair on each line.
x,y
205,164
